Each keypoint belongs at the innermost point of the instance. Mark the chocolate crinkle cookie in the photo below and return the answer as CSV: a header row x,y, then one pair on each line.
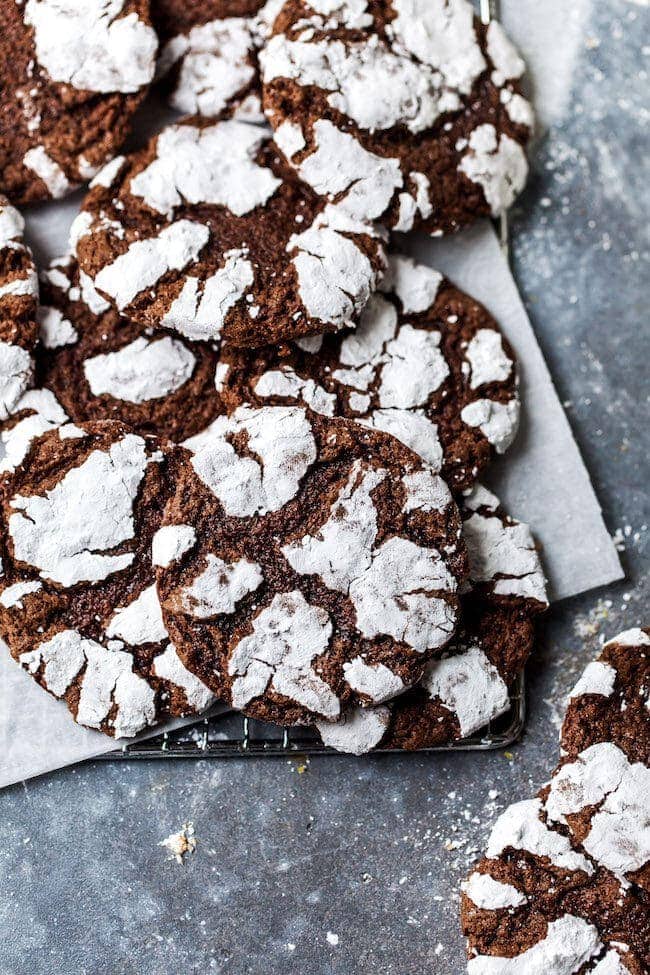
x,y
460,693
564,887
426,363
201,233
419,103
207,62
18,303
306,563
78,603
101,366
72,73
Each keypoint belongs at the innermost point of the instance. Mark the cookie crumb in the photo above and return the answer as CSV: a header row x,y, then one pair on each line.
x,y
181,843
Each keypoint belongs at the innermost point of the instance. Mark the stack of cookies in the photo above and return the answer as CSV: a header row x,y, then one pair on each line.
x,y
244,434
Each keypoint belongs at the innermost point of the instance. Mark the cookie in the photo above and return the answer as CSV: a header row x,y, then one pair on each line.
x,y
419,103
426,363
78,603
601,790
469,686
535,904
306,563
72,74
200,233
36,412
208,56
101,366
18,302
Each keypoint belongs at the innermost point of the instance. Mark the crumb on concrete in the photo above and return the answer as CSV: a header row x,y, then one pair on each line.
x,y
181,843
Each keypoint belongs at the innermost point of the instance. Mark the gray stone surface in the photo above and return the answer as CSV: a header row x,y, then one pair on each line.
x,y
372,851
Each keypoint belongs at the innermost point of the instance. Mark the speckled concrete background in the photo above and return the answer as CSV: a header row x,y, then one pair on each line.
x,y
353,866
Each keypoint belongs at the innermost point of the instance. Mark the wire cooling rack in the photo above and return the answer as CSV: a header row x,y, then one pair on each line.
x,y
231,735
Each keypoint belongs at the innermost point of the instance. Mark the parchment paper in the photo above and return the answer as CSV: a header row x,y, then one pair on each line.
x,y
542,481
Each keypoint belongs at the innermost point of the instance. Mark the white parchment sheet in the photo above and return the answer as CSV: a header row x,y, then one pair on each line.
x,y
542,480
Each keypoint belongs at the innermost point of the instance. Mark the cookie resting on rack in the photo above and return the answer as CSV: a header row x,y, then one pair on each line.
x,y
306,563
200,233
18,304
72,74
469,687
78,603
208,56
101,366
419,103
564,887
426,363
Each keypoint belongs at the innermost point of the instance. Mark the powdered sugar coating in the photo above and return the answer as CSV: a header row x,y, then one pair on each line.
x,y
143,370
569,943
16,368
357,732
43,412
215,66
385,86
342,548
140,621
635,637
375,681
520,828
504,555
498,164
220,586
18,300
487,359
286,637
470,686
100,493
54,329
416,285
490,894
598,678
92,46
398,595
282,439
48,170
498,422
601,776
170,543
168,667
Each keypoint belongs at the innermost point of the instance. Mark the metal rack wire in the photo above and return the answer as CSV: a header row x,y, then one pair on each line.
x,y
231,735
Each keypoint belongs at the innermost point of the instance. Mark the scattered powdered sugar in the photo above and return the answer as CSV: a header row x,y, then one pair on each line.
x,y
470,686
88,511
278,654
90,46
498,422
520,828
280,436
398,596
487,359
498,164
143,370
213,165
220,586
358,732
375,681
568,944
171,542
342,548
490,894
168,666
